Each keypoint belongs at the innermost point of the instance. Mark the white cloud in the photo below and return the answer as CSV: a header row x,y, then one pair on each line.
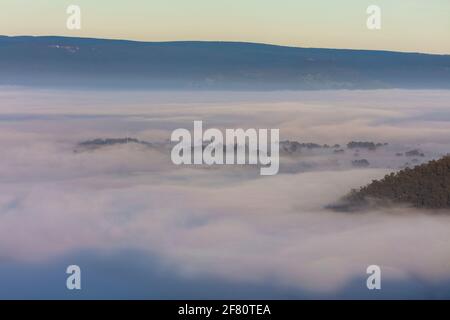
x,y
228,222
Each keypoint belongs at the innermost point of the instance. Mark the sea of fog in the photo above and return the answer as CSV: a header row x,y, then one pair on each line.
x,y
141,227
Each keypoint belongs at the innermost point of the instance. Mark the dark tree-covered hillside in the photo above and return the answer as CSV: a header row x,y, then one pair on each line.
x,y
424,186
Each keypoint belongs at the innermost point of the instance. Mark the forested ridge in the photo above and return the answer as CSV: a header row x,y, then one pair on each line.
x,y
424,186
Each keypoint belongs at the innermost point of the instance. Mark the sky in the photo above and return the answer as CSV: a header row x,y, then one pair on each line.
x,y
413,25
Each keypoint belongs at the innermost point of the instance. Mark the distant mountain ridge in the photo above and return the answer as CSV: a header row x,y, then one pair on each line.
x,y
66,61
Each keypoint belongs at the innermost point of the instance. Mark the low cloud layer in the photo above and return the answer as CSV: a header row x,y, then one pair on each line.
x,y
226,222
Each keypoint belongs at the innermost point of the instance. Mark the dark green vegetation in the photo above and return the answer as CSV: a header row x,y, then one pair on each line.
x,y
100,143
424,186
360,163
365,145
108,141
414,153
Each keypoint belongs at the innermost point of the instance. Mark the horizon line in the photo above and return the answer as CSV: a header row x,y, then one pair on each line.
x,y
220,41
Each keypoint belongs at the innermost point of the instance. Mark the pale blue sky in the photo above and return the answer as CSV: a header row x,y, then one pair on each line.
x,y
407,25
